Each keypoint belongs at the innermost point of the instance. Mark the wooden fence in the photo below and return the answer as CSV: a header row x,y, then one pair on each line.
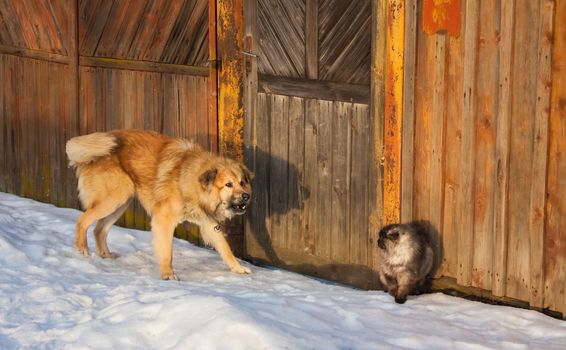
x,y
483,146
73,67
355,117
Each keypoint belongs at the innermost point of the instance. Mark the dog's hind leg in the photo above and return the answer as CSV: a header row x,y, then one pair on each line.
x,y
96,212
101,231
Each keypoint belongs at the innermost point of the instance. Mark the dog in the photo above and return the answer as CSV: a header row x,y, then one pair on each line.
x,y
407,259
174,179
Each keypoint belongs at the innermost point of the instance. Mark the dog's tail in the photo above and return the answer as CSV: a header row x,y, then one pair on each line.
x,y
88,148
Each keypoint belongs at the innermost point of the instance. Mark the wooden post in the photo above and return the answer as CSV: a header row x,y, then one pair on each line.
x,y
229,26
393,119
213,77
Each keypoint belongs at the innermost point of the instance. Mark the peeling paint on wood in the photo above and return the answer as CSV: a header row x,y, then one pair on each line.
x,y
395,44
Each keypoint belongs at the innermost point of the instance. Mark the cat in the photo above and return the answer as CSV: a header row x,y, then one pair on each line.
x,y
407,259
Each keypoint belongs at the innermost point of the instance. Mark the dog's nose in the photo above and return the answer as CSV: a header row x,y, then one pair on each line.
x,y
245,196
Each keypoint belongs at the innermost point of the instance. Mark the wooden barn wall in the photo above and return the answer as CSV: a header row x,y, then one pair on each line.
x,y
309,138
485,167
138,64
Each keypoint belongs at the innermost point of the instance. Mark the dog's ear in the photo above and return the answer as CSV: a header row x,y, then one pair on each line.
x,y
248,175
208,177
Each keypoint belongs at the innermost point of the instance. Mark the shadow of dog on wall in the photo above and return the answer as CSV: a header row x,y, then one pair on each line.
x,y
277,191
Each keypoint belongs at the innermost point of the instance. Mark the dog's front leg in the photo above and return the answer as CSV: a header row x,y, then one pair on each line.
x,y
163,228
215,237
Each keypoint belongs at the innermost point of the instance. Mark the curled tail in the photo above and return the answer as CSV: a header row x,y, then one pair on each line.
x,y
88,148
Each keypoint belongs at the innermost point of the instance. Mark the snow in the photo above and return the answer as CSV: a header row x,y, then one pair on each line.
x,y
53,298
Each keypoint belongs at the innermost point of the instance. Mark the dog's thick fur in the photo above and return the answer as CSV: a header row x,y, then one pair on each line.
x,y
407,258
174,179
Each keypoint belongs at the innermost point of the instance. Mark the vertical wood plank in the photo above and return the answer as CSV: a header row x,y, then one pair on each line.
x,y
340,183
422,133
395,38
311,176
502,147
295,233
324,190
359,194
229,28
250,116
523,109
278,170
555,237
466,235
408,124
485,133
375,180
213,76
540,149
437,129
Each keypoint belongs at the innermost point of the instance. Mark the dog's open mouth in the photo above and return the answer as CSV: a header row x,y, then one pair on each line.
x,y
239,208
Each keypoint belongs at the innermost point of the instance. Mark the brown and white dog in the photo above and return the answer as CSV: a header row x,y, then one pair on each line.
x,y
174,179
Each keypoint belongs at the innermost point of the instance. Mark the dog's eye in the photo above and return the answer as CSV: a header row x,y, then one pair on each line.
x,y
229,184
241,183
394,236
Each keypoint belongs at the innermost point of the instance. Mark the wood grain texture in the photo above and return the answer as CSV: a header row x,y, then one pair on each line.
x,y
485,144
555,218
174,32
281,27
344,40
503,135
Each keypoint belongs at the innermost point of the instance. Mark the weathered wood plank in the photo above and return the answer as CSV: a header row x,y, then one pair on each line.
x,y
555,219
394,51
540,154
278,169
35,54
340,183
523,111
502,148
423,126
324,190
311,39
345,41
311,176
93,20
259,240
359,192
485,144
143,66
281,27
408,127
296,155
323,90
437,132
467,155
376,124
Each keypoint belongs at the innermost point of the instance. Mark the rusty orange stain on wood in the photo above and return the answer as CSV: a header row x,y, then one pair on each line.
x,y
395,43
230,78
442,15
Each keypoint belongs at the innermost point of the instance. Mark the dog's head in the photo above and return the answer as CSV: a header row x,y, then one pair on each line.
x,y
230,182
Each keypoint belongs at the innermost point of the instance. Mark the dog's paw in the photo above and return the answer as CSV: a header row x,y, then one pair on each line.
x,y
241,270
169,277
107,255
83,251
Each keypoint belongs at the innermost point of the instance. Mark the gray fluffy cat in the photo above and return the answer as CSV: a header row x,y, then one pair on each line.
x,y
406,259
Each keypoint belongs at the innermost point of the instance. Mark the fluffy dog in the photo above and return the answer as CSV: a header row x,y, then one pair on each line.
x,y
174,179
406,258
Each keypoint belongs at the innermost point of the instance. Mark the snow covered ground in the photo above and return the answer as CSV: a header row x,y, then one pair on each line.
x,y
52,298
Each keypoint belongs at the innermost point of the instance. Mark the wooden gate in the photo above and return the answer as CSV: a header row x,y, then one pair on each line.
x,y
309,137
